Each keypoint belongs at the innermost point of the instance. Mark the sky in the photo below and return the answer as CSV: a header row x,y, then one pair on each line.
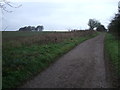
x,y
58,14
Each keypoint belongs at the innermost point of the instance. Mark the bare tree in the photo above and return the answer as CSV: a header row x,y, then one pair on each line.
x,y
5,3
3,6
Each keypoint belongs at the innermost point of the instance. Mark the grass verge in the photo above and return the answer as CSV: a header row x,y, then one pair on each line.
x,y
112,48
20,64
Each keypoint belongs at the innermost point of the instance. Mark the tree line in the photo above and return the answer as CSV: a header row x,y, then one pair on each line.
x,y
93,23
114,26
32,28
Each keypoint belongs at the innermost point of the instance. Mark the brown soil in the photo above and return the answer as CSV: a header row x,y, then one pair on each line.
x,y
82,67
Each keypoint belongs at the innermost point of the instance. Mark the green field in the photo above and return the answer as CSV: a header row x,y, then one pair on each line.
x,y
112,46
27,55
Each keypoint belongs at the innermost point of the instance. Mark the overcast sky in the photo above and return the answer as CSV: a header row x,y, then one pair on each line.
x,y
59,14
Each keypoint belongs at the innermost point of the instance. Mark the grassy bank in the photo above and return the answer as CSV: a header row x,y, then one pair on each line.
x,y
23,62
112,47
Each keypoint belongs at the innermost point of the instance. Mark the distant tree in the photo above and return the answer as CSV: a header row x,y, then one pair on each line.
x,y
93,23
101,28
39,28
23,29
31,28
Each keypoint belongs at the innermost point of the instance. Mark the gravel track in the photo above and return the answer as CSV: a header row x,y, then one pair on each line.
x,y
82,67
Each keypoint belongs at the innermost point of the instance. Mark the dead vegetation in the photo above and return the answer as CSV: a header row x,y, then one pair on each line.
x,y
45,38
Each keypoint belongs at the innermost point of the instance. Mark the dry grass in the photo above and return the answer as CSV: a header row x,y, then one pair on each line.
x,y
44,38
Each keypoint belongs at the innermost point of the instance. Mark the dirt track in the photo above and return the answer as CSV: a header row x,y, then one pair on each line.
x,y
82,67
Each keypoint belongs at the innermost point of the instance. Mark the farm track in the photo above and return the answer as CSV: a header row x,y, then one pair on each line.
x,y
82,67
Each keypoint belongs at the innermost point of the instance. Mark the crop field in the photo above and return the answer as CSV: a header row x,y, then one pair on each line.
x,y
28,38
25,54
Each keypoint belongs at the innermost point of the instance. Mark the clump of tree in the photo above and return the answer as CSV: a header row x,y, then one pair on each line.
x,y
93,23
114,26
32,28
101,28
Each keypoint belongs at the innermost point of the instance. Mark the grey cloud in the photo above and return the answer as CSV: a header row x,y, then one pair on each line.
x,y
59,15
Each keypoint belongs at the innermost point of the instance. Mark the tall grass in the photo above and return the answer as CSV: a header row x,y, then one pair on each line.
x,y
21,62
112,49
